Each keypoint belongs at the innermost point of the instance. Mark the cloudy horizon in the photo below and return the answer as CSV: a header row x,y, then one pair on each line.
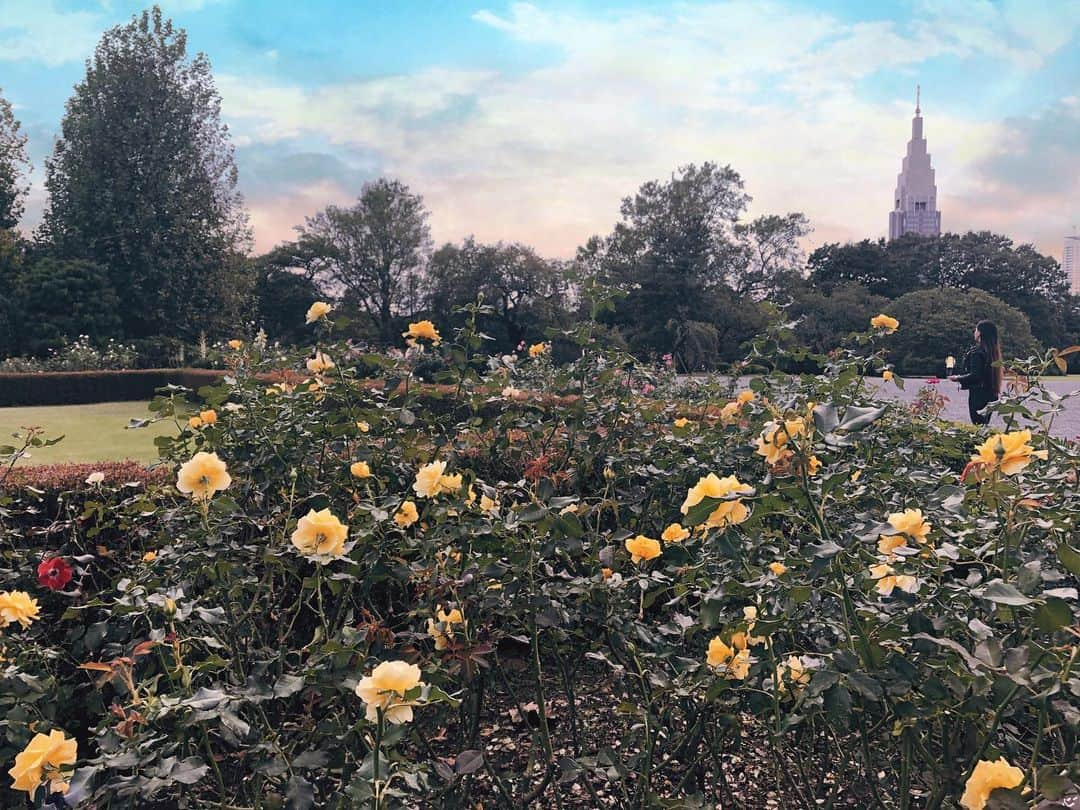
x,y
531,121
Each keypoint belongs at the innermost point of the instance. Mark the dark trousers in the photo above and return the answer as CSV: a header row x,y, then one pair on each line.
x,y
977,400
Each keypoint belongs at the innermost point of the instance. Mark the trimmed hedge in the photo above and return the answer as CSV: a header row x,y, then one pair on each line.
x,y
82,387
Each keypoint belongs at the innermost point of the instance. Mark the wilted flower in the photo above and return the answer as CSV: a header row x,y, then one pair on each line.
x,y
54,573
423,329
1009,452
729,512
360,469
642,548
385,688
406,515
204,475
885,322
46,758
317,311
319,363
442,630
320,535
987,777
17,606
674,533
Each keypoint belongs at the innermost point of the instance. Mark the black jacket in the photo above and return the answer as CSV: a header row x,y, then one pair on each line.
x,y
978,373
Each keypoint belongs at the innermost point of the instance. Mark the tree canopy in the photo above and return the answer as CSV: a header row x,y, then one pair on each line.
x,y
14,165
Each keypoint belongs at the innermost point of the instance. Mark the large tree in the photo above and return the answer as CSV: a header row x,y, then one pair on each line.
x,y
14,165
142,181
371,253
525,293
771,258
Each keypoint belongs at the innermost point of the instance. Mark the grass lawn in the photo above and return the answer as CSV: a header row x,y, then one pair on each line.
x,y
91,432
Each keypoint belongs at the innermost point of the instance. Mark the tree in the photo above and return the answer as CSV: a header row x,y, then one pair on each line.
x,y
525,292
60,299
372,252
142,181
825,320
939,322
13,164
771,258
281,296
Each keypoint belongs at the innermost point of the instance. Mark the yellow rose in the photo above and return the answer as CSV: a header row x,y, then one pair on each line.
x,y
642,548
537,349
363,427
890,325
360,469
727,513
488,504
778,568
194,423
911,523
236,344
773,442
319,363
724,658
813,464
605,573
208,417
729,412
317,311
987,777
17,606
888,543
320,535
204,475
445,620
744,397
46,758
428,481
888,580
450,483
682,422
423,329
385,689
792,670
406,515
887,375
149,556
1010,452
674,534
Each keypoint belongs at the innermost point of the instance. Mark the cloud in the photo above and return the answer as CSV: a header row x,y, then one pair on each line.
x,y
41,32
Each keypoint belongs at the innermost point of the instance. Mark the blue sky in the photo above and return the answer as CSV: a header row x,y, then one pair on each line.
x,y
529,121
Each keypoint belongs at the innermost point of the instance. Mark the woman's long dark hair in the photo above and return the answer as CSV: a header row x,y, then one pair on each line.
x,y
988,339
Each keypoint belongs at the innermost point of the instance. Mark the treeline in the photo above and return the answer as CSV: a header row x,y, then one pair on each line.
x,y
145,238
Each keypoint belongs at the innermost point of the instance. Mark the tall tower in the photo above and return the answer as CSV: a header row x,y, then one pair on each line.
x,y
915,200
1070,262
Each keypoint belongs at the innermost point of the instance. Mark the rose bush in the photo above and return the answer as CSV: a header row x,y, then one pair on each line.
x,y
648,584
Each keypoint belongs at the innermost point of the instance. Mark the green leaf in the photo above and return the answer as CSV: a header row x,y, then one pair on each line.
x,y
288,685
1070,558
866,686
1002,593
300,794
468,762
1053,615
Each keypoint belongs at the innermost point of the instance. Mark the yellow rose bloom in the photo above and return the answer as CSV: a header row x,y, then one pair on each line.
x,y
888,543
792,670
887,375
385,689
730,663
778,568
444,620
773,442
204,475
236,344
729,412
726,513
194,423
360,469
428,483
813,464
317,311
406,515
1009,452
682,422
46,758
642,548
423,329
488,504
537,349
320,535
363,427
885,322
319,363
208,417
911,523
674,534
450,483
149,556
17,606
745,396
987,777
605,573
888,580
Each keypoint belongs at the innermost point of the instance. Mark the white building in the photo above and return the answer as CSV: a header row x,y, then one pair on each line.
x,y
1070,263
915,200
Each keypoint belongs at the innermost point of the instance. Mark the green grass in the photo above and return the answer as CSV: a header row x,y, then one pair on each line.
x,y
91,432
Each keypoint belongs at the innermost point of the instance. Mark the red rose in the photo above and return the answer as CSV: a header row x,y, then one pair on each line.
x,y
54,573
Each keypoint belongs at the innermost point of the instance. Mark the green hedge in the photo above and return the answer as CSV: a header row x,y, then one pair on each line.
x,y
81,387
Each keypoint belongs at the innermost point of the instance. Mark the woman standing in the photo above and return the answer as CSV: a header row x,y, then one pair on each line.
x,y
981,377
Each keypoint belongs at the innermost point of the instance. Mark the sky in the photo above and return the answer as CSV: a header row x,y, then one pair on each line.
x,y
530,121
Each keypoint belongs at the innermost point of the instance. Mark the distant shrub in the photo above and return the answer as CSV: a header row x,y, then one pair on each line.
x,y
81,387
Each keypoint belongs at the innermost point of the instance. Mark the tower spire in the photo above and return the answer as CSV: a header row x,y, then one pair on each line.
x,y
918,93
